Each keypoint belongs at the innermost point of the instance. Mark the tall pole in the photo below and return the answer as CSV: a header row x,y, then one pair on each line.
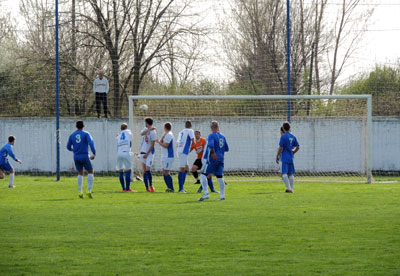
x,y
57,98
288,56
73,56
310,77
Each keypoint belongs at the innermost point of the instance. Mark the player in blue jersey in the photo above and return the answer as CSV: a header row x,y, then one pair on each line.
x,y
214,154
5,166
79,143
168,155
288,146
184,142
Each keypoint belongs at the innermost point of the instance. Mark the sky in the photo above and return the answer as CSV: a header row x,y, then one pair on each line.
x,y
380,44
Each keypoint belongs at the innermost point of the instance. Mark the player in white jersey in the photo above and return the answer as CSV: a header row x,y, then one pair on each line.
x,y
184,143
124,159
167,143
149,137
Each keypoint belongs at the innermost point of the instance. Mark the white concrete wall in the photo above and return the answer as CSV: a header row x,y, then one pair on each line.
x,y
326,144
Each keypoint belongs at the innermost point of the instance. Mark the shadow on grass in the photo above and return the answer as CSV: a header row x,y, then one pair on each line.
x,y
194,202
268,193
113,192
56,199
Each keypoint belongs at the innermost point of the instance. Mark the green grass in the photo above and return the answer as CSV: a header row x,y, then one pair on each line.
x,y
321,229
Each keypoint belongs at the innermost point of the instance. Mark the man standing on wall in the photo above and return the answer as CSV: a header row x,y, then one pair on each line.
x,y
100,88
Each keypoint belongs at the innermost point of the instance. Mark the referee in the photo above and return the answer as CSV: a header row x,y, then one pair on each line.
x,y
100,88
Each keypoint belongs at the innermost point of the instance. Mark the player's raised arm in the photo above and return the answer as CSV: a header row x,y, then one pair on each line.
x,y
145,131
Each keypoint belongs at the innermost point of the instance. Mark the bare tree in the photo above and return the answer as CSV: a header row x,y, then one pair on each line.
x,y
136,36
182,62
320,46
348,31
154,26
257,46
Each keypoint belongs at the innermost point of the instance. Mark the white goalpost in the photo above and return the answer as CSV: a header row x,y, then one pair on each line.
x,y
334,131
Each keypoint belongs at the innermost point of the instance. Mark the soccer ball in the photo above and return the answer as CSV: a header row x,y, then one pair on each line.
x,y
143,107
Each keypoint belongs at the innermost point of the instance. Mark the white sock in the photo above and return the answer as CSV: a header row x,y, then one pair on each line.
x,y
285,179
221,187
11,179
204,184
90,180
80,183
291,181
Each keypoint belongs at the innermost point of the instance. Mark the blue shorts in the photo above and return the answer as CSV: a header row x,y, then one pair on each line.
x,y
288,168
6,167
214,168
83,162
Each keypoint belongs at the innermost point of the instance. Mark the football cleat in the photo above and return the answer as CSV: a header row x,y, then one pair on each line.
x,y
12,186
148,190
183,191
80,195
124,191
89,195
203,197
131,191
221,198
288,191
215,192
152,189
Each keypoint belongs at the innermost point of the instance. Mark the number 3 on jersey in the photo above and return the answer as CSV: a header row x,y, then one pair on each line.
x,y
78,138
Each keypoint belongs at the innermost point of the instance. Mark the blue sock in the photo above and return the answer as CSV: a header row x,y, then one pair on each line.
x,y
171,182
150,178
211,184
180,178
128,180
121,180
166,181
184,177
146,180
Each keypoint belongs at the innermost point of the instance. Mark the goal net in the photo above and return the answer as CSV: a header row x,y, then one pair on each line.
x,y
334,132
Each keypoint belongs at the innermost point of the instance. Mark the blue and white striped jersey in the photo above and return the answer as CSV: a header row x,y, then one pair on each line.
x,y
169,152
184,140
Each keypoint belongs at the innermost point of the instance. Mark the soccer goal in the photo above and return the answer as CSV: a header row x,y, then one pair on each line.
x,y
334,132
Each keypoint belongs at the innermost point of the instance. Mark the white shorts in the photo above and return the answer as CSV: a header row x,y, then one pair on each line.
x,y
124,162
167,163
148,161
183,160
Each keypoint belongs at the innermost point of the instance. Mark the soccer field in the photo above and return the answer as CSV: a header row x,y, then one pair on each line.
x,y
323,228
